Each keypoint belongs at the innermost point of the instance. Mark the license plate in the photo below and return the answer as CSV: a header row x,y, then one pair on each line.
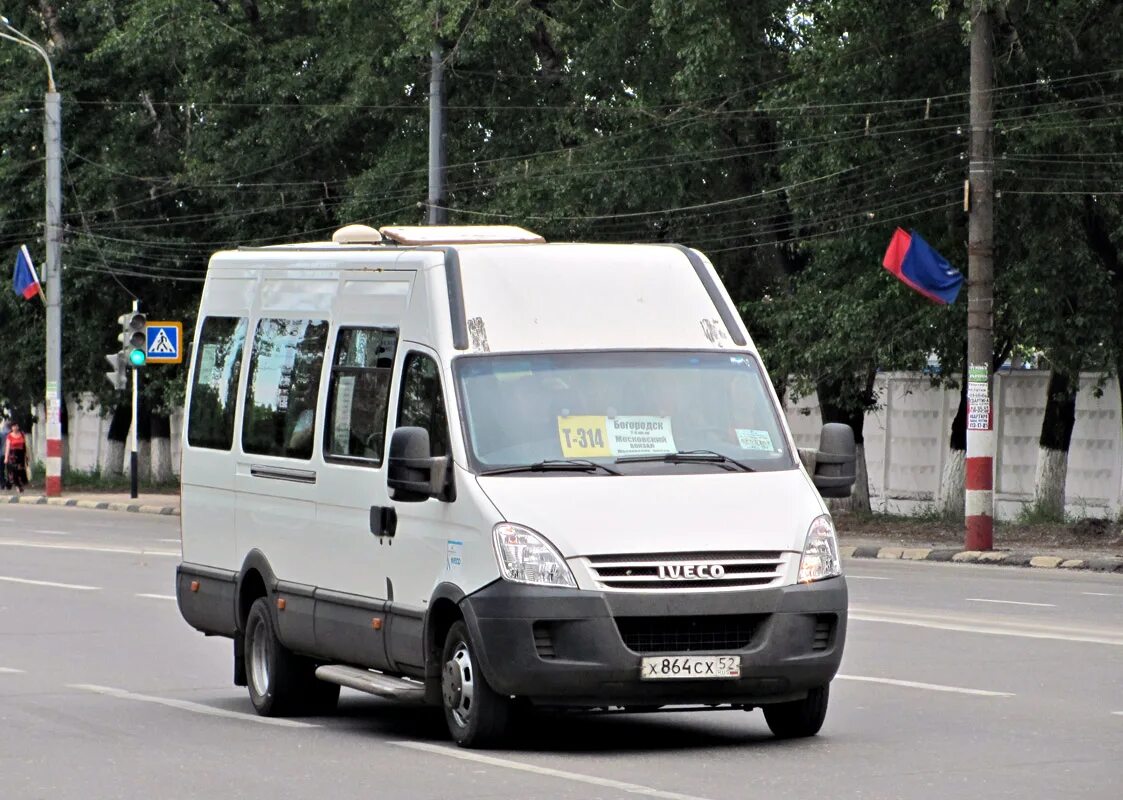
x,y
657,668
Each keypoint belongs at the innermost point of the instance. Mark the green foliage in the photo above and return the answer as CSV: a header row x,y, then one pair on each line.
x,y
784,139
95,481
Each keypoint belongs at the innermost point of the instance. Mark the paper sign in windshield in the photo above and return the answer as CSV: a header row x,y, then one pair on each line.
x,y
583,437
640,436
754,440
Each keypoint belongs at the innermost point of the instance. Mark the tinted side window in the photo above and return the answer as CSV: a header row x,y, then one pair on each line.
x,y
218,365
280,413
422,403
360,394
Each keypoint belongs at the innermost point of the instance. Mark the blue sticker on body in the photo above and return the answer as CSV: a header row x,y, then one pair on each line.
x,y
454,558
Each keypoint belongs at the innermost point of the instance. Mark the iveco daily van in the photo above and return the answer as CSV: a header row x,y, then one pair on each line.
x,y
464,467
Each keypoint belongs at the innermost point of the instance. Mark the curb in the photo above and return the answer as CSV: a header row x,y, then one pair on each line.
x,y
101,505
999,557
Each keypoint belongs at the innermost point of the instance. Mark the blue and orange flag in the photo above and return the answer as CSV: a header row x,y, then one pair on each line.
x,y
921,268
25,281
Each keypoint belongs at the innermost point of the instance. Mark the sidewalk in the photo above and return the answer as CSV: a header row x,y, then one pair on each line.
x,y
1069,559
146,503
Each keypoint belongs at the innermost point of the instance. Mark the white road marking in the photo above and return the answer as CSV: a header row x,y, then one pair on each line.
x,y
934,687
54,533
51,583
89,548
607,783
850,576
158,596
1101,594
1118,713
187,705
1009,602
944,622
169,541
10,670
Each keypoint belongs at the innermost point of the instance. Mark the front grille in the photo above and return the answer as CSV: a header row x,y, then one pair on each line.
x,y
695,570
543,640
824,632
688,634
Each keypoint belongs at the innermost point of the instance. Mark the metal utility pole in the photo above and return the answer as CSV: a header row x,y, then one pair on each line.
x,y
438,202
981,443
52,276
53,135
133,479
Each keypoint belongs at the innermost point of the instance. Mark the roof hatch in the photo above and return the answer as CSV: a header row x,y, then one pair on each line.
x,y
459,234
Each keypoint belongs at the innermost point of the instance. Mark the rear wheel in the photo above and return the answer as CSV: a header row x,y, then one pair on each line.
x,y
476,715
798,718
280,683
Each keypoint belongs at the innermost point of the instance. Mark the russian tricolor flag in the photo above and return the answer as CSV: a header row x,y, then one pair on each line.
x,y
920,267
24,279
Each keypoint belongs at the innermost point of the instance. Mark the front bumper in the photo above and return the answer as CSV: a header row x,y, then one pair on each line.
x,y
564,647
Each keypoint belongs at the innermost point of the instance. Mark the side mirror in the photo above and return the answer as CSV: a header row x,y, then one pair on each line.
x,y
836,462
412,474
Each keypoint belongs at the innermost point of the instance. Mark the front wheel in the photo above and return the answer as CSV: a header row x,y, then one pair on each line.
x,y
798,718
476,715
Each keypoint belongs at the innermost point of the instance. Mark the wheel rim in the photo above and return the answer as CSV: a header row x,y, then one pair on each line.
x,y
458,684
259,659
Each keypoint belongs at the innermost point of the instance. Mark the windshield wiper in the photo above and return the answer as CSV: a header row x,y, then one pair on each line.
x,y
554,465
689,457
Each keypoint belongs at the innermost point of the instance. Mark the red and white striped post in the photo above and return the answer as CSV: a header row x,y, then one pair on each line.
x,y
53,483
979,492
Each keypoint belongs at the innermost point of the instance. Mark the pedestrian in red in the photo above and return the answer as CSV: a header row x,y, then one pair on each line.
x,y
15,457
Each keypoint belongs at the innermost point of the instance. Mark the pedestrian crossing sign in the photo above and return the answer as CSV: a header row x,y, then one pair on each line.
x,y
164,342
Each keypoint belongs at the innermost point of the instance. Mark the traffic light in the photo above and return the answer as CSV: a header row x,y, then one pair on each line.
x,y
133,339
133,352
119,376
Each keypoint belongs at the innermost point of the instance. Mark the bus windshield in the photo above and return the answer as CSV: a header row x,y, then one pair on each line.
x,y
632,410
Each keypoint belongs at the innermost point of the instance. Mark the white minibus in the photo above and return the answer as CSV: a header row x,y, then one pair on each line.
x,y
461,466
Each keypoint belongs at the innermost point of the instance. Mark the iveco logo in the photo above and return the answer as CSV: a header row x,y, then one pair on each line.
x,y
690,572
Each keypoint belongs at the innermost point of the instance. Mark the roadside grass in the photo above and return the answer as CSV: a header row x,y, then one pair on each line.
x,y
76,480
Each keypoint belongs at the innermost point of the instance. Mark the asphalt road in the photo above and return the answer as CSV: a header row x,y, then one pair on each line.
x,y
958,681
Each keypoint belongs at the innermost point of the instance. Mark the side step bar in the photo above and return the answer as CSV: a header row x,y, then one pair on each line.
x,y
373,682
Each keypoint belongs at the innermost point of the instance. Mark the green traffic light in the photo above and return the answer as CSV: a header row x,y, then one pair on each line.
x,y
137,358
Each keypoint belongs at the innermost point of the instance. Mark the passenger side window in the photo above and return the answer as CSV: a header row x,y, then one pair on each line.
x,y
280,413
218,366
360,395
422,404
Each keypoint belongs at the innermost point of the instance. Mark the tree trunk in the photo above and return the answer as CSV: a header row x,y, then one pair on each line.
x,y
1098,233
1056,435
836,406
116,440
161,449
951,498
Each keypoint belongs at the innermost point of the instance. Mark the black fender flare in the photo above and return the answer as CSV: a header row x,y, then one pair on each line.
x,y
255,560
444,596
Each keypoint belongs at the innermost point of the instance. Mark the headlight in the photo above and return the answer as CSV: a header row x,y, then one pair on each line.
x,y
820,552
526,557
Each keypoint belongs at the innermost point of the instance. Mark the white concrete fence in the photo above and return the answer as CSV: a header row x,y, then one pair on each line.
x,y
906,442
905,439
87,446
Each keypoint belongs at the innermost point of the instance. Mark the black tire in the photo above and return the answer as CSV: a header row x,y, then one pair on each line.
x,y
277,679
475,714
798,718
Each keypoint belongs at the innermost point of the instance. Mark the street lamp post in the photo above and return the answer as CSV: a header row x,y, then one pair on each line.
x,y
52,134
